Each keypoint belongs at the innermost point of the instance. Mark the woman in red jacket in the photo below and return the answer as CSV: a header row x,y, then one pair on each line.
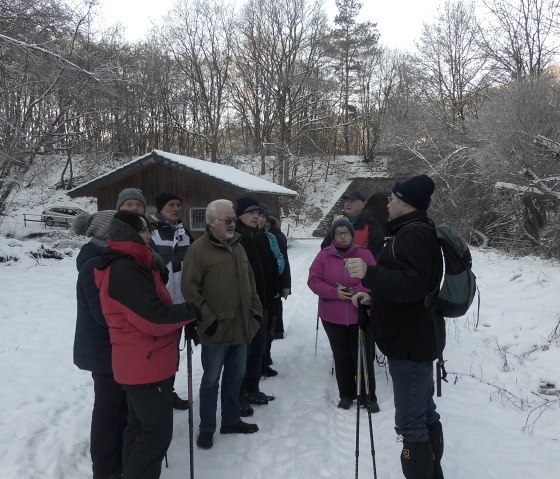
x,y
145,328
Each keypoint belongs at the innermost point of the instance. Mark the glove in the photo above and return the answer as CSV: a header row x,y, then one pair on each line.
x,y
191,333
286,292
363,316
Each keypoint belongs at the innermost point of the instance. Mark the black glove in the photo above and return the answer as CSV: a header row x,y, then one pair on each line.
x,y
191,333
363,316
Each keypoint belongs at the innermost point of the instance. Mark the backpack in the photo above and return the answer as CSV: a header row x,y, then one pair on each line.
x,y
455,291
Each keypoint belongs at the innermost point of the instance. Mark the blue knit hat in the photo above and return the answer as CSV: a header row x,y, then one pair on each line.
x,y
247,204
342,222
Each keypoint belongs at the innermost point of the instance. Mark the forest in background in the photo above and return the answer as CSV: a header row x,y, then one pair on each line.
x,y
477,106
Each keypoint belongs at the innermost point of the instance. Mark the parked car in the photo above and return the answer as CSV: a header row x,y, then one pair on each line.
x,y
60,215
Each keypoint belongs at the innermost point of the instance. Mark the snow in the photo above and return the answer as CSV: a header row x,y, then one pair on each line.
x,y
500,418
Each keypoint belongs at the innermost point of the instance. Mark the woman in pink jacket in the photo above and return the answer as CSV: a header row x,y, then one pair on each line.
x,y
329,280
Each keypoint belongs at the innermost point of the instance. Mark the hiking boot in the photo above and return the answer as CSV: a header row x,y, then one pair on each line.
x,y
269,372
345,403
245,409
371,406
205,439
258,397
239,428
178,403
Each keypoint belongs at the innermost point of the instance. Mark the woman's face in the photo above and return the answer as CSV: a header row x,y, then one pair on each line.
x,y
144,232
342,236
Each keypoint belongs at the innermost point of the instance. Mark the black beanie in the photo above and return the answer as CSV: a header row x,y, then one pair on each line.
x,y
341,222
163,198
246,204
415,191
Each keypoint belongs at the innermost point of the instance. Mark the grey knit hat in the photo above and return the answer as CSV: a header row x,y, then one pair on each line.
x,y
95,225
130,194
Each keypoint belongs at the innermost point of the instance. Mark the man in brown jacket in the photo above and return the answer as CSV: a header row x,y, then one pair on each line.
x,y
218,278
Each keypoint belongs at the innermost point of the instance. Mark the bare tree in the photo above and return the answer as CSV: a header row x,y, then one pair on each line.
x,y
198,36
522,36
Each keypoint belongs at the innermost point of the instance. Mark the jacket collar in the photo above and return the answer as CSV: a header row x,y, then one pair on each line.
x,y
416,216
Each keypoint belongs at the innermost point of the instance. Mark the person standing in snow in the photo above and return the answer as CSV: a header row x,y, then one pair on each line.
x,y
273,226
145,328
368,232
408,269
329,280
218,278
170,240
92,351
284,289
265,270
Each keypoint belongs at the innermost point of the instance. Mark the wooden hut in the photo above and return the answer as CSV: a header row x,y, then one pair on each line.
x,y
197,182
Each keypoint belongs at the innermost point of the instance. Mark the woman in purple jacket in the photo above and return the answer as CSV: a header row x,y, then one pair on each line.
x,y
329,280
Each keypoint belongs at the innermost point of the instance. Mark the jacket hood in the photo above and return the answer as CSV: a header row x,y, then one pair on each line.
x,y
87,252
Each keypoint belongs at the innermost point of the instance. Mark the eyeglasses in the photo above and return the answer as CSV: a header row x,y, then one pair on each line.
x,y
390,198
227,221
342,234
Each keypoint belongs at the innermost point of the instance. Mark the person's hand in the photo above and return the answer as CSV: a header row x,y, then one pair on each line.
x,y
286,292
362,298
343,293
357,267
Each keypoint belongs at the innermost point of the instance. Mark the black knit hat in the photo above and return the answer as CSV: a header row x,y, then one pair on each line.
x,y
416,191
163,198
341,222
247,204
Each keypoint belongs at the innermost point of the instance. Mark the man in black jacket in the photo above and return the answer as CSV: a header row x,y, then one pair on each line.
x,y
368,232
265,269
407,270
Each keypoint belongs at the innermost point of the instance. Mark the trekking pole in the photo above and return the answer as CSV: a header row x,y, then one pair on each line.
x,y
362,314
316,332
190,393
358,393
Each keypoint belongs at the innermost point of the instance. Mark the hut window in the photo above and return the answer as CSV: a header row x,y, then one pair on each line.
x,y
198,219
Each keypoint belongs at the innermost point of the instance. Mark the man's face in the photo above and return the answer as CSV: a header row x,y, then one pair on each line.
x,y
395,207
134,206
219,224
172,211
262,221
353,207
251,218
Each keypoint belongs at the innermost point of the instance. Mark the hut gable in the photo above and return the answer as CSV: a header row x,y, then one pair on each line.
x,y
197,182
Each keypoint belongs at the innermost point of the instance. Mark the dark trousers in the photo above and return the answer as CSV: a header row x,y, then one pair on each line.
x,y
413,390
255,354
273,316
344,344
149,430
108,421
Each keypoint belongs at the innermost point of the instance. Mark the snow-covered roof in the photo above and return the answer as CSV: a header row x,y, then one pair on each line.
x,y
228,174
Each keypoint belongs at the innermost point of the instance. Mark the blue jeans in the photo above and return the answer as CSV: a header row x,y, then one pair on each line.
x,y
413,390
231,358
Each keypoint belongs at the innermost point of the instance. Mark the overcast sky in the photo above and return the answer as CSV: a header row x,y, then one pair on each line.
x,y
398,21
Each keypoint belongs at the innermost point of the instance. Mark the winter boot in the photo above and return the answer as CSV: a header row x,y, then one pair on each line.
x,y
436,441
417,460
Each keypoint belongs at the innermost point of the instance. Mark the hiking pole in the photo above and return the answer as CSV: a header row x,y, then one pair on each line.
x,y
358,394
190,393
316,332
362,324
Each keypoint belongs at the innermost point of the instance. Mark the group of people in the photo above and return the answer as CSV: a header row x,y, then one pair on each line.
x,y
142,280
133,277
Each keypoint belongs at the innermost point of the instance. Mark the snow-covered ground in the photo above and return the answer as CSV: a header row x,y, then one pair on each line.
x,y
500,410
